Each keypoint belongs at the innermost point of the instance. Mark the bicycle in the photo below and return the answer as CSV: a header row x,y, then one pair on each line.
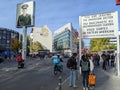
x,y
58,68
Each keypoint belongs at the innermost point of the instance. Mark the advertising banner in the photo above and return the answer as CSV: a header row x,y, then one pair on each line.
x,y
25,14
102,25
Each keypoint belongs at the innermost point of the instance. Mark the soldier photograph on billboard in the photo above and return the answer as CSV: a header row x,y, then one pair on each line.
x,y
25,13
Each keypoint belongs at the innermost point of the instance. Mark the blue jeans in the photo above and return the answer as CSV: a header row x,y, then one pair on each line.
x,y
85,78
91,71
73,77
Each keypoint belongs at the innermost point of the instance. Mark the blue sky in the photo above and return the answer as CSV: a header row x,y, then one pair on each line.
x,y
55,13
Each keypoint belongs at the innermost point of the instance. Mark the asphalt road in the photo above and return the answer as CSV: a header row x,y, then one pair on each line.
x,y
39,76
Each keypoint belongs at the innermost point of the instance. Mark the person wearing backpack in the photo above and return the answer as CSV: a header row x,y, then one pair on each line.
x,y
57,64
72,65
85,68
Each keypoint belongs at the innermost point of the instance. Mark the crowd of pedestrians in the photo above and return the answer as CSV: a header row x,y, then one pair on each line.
x,y
87,64
108,60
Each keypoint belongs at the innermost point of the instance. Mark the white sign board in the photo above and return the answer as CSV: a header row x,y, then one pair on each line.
x,y
102,25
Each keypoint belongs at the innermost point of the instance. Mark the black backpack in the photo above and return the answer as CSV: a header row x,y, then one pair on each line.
x,y
69,63
85,65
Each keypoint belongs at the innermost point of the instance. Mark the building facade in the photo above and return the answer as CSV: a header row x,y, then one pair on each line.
x,y
42,35
5,38
63,41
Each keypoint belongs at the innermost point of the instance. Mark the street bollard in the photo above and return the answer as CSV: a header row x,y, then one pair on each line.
x,y
60,83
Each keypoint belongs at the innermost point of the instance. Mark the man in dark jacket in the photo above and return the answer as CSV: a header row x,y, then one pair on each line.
x,y
104,58
112,60
73,70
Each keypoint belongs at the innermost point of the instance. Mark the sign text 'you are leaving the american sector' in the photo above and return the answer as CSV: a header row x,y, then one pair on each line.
x,y
99,25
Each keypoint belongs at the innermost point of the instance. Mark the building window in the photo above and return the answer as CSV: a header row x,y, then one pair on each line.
x,y
7,45
3,41
8,41
4,36
12,35
8,36
4,32
0,41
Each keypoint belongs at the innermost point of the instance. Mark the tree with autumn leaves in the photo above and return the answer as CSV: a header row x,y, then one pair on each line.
x,y
36,46
98,44
15,44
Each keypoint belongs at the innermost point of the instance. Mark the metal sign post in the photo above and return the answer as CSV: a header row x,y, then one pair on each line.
x,y
118,48
24,42
118,53
80,39
80,42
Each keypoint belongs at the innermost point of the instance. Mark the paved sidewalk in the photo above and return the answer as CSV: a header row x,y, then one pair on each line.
x,y
105,80
65,84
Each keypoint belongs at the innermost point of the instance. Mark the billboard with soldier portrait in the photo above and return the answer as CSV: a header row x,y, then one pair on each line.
x,y
25,14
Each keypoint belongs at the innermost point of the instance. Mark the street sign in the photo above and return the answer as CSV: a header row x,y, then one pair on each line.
x,y
75,40
102,25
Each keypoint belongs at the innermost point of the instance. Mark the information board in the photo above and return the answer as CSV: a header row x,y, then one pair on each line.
x,y
102,25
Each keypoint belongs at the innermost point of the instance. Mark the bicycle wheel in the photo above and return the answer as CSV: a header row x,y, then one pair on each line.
x,y
55,70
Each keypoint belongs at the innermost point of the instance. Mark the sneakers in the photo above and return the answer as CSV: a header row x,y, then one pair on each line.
x,y
83,88
70,85
75,86
86,89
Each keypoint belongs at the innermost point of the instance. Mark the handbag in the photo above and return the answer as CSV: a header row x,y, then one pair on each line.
x,y
91,79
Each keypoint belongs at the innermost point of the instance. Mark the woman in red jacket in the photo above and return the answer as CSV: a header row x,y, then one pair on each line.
x,y
20,61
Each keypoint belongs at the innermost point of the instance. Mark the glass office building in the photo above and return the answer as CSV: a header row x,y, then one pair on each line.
x,y
63,41
5,38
